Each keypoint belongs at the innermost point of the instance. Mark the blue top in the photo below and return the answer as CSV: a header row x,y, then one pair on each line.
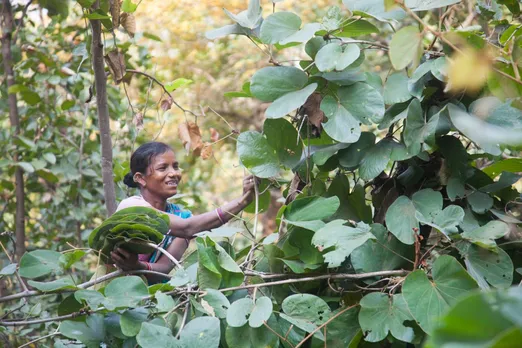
x,y
175,210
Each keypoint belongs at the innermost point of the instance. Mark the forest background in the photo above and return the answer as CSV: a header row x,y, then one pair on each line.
x,y
55,150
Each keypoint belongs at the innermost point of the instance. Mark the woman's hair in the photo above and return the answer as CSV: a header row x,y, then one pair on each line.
x,y
142,158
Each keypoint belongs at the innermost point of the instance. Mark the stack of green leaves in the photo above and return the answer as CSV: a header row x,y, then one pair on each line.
x,y
131,229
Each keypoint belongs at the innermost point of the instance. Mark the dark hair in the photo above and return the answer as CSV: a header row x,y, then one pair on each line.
x,y
142,158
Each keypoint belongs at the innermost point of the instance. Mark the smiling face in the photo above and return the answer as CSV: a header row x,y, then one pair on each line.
x,y
162,177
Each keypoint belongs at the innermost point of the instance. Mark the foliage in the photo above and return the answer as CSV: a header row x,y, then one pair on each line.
x,y
428,146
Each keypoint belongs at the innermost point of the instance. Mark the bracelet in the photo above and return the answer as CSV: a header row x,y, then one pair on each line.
x,y
220,216
148,265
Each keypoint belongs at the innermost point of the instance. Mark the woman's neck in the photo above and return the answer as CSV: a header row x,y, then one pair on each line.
x,y
156,202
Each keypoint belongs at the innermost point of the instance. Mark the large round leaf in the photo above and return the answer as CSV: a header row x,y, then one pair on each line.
x,y
289,102
270,83
396,89
351,157
343,239
334,56
427,202
381,314
239,312
261,312
405,47
427,300
63,283
487,266
341,125
279,26
38,263
283,137
380,254
311,208
308,307
362,101
202,332
125,292
218,301
374,8
151,335
91,332
401,220
257,155
375,160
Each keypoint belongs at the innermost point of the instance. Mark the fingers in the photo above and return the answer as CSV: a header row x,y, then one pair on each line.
x,y
123,253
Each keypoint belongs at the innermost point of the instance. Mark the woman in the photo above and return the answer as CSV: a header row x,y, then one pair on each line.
x,y
155,171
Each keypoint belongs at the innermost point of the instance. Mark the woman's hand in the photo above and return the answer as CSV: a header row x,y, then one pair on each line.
x,y
126,261
248,188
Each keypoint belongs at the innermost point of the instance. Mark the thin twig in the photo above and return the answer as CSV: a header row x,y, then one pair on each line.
x,y
278,335
185,315
324,325
163,87
166,253
40,339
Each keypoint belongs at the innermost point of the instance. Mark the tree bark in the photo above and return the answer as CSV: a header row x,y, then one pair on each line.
x,y
7,31
100,79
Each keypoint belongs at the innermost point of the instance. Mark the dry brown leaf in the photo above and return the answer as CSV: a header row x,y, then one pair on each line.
x,y
190,136
115,12
137,120
207,151
116,64
166,104
312,108
128,22
214,135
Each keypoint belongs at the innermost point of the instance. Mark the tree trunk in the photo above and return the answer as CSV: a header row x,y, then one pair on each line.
x,y
100,79
7,30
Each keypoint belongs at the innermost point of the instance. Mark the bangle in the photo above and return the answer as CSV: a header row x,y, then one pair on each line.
x,y
148,265
220,216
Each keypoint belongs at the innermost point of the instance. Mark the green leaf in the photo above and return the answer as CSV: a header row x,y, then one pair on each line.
x,y
374,8
513,165
86,3
151,335
417,131
271,83
282,136
308,307
250,18
91,332
49,157
180,278
239,312
128,6
125,292
401,220
480,202
257,155
261,312
455,188
248,337
381,314
70,258
177,83
279,26
334,56
427,202
8,270
303,35
427,299
63,283
396,89
289,102
165,302
311,208
132,319
342,238
341,125
300,267
232,29
405,47
218,301
344,330
202,332
484,319
506,180
372,110
91,297
358,28
351,157
375,160
38,263
96,16
385,252
446,221
313,225
487,266
423,5
485,236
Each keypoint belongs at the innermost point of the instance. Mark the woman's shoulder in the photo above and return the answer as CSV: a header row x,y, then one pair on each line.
x,y
133,201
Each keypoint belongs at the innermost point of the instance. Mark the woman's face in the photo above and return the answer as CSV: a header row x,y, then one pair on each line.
x,y
163,176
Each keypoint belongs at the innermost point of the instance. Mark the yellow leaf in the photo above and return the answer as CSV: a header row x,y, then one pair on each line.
x,y
469,70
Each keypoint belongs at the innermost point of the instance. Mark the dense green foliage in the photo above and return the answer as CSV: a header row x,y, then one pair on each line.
x,y
400,223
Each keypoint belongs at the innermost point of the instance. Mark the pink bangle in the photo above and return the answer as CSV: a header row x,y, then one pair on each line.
x,y
220,215
148,265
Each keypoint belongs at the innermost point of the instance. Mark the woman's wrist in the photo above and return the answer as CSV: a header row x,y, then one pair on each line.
x,y
144,266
